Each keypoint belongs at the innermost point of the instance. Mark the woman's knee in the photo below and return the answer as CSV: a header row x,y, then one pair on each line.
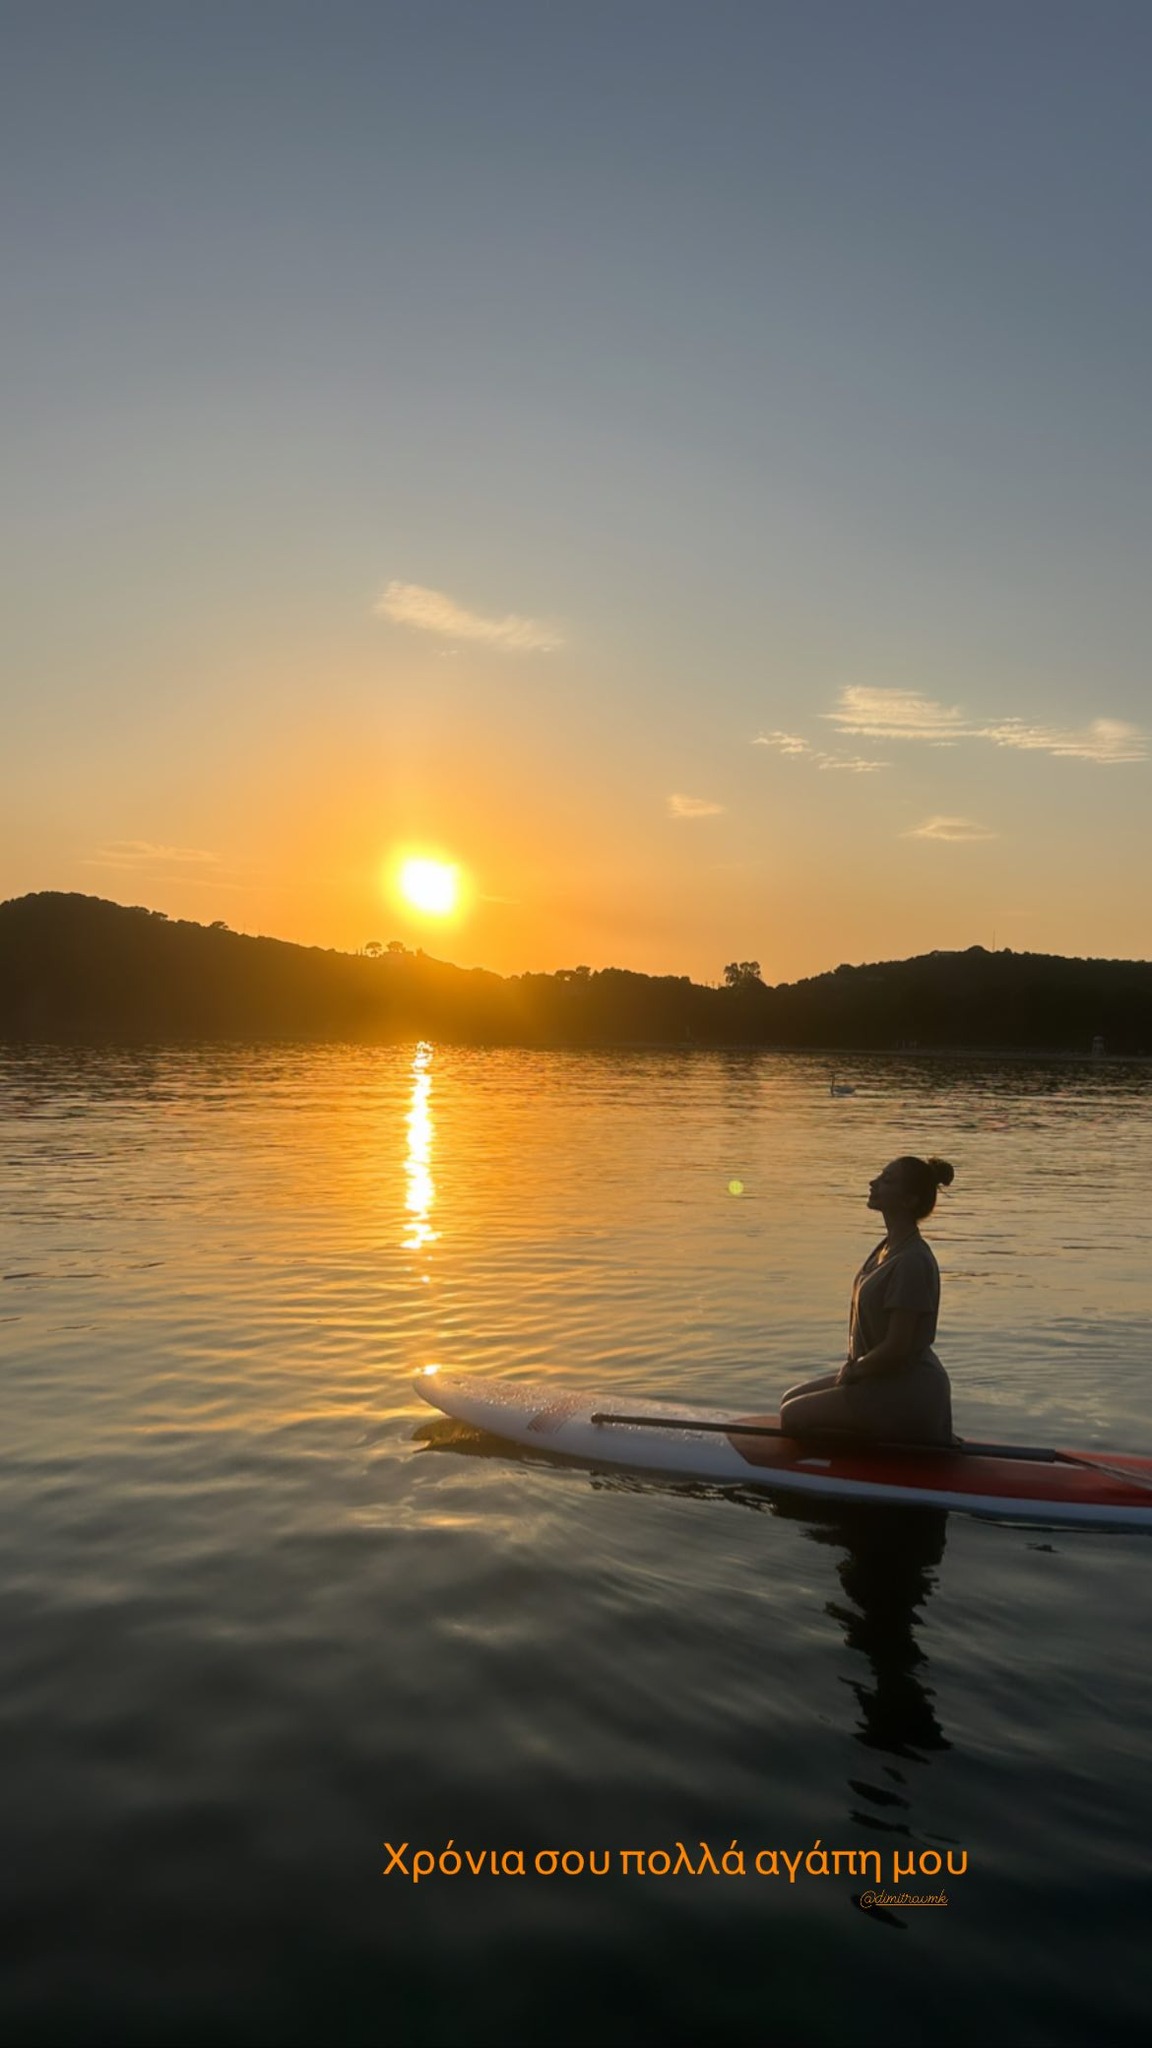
x,y
817,1386
812,1411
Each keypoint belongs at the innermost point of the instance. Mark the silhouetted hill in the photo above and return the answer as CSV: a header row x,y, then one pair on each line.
x,y
79,967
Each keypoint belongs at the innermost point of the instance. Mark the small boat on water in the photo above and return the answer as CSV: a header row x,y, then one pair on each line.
x,y
1011,1482
841,1088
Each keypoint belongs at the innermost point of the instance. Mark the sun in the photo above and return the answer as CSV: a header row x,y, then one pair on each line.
x,y
430,886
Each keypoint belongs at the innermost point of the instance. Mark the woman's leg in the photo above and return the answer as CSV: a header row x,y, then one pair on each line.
x,y
822,1405
826,1379
913,1406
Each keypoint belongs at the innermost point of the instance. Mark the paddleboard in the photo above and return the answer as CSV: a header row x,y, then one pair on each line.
x,y
1017,1483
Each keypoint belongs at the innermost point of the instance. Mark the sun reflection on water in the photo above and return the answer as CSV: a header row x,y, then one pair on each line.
x,y
421,1189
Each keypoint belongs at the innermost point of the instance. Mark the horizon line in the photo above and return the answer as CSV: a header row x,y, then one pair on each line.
x,y
303,946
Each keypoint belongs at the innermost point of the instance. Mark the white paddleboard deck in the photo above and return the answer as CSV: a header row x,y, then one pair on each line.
x,y
559,1421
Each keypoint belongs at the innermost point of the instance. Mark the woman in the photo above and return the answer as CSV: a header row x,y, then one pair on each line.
x,y
892,1385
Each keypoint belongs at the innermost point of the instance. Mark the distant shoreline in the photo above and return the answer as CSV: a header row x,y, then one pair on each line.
x,y
79,970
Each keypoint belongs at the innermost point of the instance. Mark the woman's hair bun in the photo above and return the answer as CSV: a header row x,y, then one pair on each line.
x,y
942,1171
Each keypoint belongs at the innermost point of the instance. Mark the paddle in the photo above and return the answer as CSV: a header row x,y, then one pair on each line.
x,y
1020,1452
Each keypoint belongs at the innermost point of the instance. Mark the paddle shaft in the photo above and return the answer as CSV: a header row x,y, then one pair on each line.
x,y
828,1436
1022,1453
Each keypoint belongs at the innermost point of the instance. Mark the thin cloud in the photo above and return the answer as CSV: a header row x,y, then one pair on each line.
x,y
1106,740
959,831
692,807
433,611
904,715
895,715
143,853
784,742
791,743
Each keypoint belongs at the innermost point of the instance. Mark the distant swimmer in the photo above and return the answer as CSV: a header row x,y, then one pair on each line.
x,y
891,1385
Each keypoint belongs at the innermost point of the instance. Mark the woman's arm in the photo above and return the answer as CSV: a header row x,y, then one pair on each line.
x,y
896,1347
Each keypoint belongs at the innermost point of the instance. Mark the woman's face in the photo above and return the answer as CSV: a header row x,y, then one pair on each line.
x,y
887,1191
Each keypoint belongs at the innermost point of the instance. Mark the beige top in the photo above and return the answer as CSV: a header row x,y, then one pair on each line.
x,y
907,1278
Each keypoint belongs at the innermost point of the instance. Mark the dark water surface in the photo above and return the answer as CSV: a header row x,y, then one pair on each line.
x,y
263,1613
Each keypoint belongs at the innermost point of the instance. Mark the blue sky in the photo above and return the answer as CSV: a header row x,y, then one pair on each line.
x,y
778,371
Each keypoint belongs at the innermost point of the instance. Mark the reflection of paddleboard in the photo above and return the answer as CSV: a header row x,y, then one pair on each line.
x,y
1003,1480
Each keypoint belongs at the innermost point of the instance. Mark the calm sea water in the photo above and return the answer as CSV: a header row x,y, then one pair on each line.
x,y
263,1613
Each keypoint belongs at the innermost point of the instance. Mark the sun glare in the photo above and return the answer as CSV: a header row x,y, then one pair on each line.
x,y
432,886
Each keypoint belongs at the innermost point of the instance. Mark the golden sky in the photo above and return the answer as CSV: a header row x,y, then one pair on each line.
x,y
708,507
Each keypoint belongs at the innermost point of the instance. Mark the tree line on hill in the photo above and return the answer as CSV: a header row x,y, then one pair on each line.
x,y
75,966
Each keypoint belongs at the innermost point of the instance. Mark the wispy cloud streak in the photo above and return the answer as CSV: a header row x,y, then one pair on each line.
x,y
783,742
958,830
895,715
433,611
904,715
791,743
692,807
1106,740
143,853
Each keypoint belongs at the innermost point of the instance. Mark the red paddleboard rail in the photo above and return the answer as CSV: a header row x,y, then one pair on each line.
x,y
840,1436
1021,1453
